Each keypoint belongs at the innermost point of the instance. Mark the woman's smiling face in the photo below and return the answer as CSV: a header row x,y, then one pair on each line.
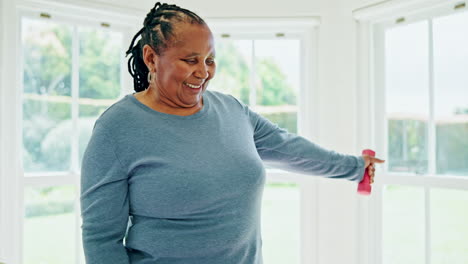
x,y
185,67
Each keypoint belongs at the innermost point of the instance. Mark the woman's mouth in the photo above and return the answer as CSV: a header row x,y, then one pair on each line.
x,y
193,86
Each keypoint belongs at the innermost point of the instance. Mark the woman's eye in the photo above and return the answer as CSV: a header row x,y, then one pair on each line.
x,y
191,61
210,61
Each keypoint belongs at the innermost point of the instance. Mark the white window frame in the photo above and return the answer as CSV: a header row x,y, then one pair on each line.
x,y
372,127
12,180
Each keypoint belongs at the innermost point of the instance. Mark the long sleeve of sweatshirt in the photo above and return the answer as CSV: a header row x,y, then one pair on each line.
x,y
104,201
281,149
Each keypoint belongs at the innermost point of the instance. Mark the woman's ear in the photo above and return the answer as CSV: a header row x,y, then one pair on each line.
x,y
150,57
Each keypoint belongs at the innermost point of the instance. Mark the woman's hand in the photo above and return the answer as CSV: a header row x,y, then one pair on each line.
x,y
370,165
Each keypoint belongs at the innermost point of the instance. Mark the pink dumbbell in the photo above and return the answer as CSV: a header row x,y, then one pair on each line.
x,y
364,187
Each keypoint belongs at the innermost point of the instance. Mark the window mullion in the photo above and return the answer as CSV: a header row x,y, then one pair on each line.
x,y
427,217
55,179
431,144
75,94
75,131
431,122
253,78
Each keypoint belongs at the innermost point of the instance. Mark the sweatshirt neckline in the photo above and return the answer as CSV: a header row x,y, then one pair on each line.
x,y
201,113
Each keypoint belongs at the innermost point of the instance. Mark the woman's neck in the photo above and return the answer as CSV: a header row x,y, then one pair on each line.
x,y
151,99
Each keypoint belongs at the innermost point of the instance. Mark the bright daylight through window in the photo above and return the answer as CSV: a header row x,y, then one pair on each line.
x,y
70,75
427,127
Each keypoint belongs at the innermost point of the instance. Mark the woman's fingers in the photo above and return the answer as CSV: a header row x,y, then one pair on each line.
x,y
376,160
371,160
371,172
370,165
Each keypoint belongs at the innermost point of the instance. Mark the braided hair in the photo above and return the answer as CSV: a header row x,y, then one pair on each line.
x,y
157,31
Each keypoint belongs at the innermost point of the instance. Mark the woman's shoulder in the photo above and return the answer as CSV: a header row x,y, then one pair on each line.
x,y
227,100
116,113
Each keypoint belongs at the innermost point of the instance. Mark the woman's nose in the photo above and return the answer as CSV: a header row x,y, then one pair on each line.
x,y
202,72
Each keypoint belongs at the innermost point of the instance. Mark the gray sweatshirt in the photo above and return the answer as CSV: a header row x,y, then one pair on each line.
x,y
165,189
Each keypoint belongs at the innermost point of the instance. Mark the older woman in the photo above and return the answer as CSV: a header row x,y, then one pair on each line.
x,y
183,164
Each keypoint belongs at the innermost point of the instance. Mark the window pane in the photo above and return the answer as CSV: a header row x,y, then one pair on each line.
x,y
46,95
281,223
49,225
449,229
100,57
233,66
451,93
403,225
407,93
278,81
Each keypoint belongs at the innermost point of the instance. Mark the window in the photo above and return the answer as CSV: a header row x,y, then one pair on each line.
x,y
71,74
71,70
421,125
427,126
265,74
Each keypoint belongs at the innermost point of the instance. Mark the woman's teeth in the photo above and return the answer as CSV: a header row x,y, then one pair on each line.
x,y
193,86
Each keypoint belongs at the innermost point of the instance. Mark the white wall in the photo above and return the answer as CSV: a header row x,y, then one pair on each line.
x,y
337,61
239,8
7,153
2,210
